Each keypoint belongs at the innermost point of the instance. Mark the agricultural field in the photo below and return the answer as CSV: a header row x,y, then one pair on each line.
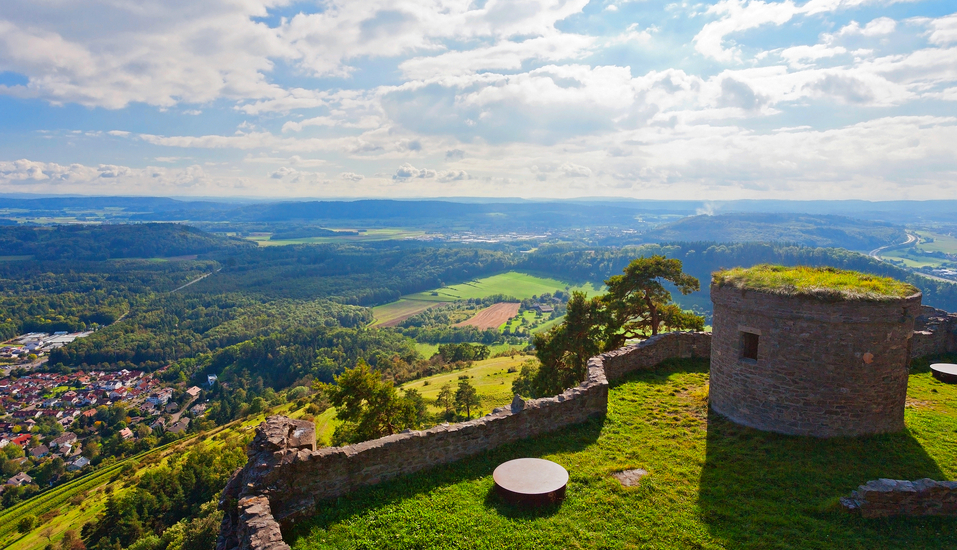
x,y
513,283
711,484
369,235
493,316
938,242
390,315
517,285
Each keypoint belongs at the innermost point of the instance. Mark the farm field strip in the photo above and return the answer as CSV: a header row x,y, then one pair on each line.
x,y
370,235
390,315
493,316
512,283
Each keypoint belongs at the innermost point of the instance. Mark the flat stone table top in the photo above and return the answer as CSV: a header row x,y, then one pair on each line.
x,y
530,480
945,372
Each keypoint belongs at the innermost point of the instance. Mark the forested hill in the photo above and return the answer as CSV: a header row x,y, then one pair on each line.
x,y
107,242
809,230
702,258
523,215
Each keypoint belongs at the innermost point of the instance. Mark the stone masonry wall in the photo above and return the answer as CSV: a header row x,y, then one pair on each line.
x,y
286,476
935,332
889,497
823,368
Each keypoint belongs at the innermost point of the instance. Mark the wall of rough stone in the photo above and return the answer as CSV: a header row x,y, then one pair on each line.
x,y
286,476
823,368
935,332
890,497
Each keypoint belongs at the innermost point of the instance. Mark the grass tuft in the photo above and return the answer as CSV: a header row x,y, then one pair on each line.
x,y
826,283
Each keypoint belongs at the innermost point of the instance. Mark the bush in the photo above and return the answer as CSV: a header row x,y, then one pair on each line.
x,y
27,523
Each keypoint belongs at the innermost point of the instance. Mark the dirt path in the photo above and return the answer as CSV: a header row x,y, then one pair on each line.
x,y
492,317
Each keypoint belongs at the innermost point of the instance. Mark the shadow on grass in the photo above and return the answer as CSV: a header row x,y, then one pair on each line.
x,y
765,490
567,440
922,364
509,510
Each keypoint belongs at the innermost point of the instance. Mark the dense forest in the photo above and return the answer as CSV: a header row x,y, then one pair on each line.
x,y
106,242
805,229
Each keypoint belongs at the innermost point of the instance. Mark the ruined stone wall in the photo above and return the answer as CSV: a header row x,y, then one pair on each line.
x,y
286,476
823,368
890,497
935,332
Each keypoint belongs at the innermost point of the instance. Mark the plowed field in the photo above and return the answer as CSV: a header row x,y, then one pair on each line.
x,y
492,317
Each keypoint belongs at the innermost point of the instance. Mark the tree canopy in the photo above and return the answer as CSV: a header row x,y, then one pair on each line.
x,y
637,304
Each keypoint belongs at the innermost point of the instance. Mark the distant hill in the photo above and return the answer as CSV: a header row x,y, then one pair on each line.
x,y
809,230
107,242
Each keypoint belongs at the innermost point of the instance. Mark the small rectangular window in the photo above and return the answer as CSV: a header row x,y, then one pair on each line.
x,y
749,346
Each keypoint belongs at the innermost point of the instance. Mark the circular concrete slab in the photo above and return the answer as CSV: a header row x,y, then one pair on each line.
x,y
530,481
945,372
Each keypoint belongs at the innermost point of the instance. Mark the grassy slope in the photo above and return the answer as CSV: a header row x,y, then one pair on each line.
x,y
491,379
712,484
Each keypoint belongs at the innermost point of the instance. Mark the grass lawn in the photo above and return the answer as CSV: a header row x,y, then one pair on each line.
x,y
711,483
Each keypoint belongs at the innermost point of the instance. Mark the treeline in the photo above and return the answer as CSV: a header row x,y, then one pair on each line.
x,y
106,242
367,275
176,326
702,258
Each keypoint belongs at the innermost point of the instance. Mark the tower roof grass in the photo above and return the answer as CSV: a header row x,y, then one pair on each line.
x,y
826,283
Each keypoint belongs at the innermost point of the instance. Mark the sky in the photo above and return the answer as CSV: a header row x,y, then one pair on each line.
x,y
816,99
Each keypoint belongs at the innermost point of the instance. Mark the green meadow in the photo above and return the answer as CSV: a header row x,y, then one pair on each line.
x,y
711,484
512,283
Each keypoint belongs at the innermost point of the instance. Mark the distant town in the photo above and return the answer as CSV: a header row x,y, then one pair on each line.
x,y
57,422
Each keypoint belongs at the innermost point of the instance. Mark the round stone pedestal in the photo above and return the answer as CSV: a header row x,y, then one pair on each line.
x,y
945,372
530,481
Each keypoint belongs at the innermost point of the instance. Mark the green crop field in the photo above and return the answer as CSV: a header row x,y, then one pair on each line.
x,y
513,283
941,243
711,484
400,310
370,235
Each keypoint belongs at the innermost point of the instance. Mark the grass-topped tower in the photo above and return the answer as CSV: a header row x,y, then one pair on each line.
x,y
811,351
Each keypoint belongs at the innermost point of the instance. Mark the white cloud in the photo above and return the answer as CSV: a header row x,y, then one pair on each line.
x,y
351,176
877,27
943,30
736,16
795,55
407,172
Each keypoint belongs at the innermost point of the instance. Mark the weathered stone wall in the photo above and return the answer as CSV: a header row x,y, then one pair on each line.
x,y
823,368
286,476
935,332
890,497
